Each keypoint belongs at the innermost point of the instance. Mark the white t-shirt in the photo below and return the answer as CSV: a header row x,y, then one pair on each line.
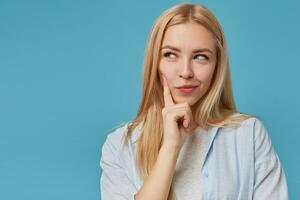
x,y
187,175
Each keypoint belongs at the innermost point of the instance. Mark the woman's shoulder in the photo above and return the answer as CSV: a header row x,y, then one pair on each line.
x,y
251,135
116,136
244,124
246,120
254,123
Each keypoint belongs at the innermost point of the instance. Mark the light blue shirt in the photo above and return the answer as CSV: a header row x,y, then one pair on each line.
x,y
239,164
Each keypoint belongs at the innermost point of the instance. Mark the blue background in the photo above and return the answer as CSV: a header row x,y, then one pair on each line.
x,y
70,71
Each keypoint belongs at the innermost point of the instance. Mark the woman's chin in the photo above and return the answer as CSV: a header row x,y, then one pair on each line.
x,y
190,101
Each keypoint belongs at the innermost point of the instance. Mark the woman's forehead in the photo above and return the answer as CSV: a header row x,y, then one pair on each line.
x,y
191,36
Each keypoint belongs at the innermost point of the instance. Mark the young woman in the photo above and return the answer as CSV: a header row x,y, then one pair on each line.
x,y
188,141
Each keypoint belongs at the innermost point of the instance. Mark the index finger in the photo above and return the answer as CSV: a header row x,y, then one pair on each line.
x,y
167,94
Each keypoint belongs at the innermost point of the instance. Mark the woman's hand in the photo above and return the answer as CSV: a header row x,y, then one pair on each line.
x,y
177,119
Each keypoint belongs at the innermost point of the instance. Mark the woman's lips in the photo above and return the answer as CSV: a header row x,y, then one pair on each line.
x,y
187,90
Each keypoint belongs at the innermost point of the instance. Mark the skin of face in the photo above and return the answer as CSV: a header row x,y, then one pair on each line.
x,y
187,56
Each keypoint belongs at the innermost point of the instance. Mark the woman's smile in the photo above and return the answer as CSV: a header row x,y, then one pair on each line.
x,y
186,90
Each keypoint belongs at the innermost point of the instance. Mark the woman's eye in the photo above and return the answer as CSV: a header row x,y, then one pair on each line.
x,y
169,55
201,57
173,55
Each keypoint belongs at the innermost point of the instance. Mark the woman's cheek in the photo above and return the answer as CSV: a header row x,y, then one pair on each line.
x,y
167,70
162,71
204,74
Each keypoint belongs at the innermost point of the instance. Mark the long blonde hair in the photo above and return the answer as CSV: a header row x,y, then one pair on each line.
x,y
215,108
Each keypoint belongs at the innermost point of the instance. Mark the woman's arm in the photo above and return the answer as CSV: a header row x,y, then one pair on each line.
x,y
178,121
115,182
157,185
270,180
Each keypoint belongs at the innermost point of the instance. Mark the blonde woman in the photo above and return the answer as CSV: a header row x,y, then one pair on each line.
x,y
188,141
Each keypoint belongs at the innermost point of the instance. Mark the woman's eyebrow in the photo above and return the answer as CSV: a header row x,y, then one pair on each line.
x,y
195,51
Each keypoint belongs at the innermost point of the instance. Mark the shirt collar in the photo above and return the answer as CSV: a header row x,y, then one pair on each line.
x,y
212,132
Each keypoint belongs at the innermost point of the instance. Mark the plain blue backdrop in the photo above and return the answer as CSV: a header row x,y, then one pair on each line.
x,y
70,71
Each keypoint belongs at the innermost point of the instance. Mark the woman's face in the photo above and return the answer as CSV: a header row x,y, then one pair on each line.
x,y
187,57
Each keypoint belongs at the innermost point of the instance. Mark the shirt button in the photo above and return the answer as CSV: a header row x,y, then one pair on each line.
x,y
205,174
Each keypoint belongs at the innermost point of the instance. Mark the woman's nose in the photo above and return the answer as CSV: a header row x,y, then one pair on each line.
x,y
186,70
